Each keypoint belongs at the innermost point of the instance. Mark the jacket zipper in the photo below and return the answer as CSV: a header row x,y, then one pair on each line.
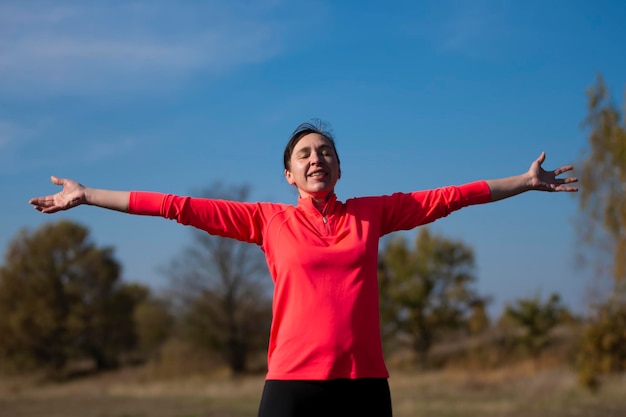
x,y
325,220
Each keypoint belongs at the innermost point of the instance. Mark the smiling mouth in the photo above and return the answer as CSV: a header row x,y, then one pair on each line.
x,y
318,174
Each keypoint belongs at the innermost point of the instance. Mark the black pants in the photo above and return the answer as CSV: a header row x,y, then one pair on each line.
x,y
335,397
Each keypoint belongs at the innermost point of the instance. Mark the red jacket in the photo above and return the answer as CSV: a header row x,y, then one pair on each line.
x,y
324,267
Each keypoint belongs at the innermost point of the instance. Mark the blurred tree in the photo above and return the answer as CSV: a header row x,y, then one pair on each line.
x,y
154,324
61,299
478,320
537,319
603,204
603,345
603,180
425,290
222,287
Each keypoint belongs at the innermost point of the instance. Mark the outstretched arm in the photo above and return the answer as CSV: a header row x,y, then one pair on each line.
x,y
535,179
74,194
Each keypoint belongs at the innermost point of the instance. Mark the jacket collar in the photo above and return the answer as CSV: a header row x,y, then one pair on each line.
x,y
306,204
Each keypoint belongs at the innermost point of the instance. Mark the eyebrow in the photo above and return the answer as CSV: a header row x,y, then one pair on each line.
x,y
308,149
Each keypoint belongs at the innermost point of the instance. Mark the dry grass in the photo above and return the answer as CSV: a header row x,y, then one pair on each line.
x,y
514,392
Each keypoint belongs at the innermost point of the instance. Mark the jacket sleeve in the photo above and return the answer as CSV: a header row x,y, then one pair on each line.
x,y
405,211
233,219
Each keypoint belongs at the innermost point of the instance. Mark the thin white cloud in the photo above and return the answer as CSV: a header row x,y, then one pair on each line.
x,y
6,134
13,138
467,27
79,47
476,26
24,155
14,134
463,27
104,150
21,147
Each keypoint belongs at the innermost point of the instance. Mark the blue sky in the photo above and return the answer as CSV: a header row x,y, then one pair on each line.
x,y
175,96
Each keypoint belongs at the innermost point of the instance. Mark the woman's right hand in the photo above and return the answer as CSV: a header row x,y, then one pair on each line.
x,y
72,195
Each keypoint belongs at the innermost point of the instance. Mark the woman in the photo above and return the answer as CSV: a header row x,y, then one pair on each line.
x,y
325,356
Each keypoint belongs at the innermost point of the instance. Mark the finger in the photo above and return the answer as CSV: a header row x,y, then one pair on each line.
x,y
563,169
541,158
40,200
50,210
56,180
48,206
40,205
566,189
566,180
563,187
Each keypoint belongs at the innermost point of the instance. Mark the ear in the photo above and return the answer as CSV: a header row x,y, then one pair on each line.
x,y
289,177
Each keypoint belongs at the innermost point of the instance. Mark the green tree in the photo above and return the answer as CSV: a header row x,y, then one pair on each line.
x,y
603,345
425,290
61,298
478,320
222,288
603,206
537,319
154,324
603,180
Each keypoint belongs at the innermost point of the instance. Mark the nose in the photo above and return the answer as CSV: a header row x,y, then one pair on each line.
x,y
315,158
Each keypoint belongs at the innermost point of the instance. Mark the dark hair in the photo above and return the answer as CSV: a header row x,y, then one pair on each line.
x,y
315,126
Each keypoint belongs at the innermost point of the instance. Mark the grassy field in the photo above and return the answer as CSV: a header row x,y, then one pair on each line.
x,y
132,393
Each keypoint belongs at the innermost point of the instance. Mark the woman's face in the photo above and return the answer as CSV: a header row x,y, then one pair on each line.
x,y
313,167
